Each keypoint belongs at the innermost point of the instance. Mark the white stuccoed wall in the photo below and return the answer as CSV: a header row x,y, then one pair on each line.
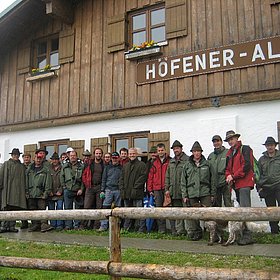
x,y
254,121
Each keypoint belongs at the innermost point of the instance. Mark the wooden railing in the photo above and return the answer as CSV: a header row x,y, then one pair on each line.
x,y
115,268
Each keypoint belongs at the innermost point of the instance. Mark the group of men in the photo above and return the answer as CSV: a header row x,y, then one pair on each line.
x,y
116,180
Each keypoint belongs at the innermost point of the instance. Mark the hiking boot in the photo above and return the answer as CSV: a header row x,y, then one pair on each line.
x,y
34,228
3,230
24,225
46,227
13,229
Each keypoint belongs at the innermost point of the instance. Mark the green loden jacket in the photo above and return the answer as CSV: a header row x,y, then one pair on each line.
x,y
217,160
38,182
196,181
173,176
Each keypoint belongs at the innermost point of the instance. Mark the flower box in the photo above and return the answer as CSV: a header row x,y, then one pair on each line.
x,y
41,75
143,53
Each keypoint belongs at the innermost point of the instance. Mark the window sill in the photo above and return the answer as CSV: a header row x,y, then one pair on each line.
x,y
144,53
41,76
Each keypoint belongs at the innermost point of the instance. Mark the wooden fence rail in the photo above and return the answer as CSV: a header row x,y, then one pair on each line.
x,y
115,268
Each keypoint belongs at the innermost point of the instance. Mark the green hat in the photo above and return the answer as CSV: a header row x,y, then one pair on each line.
x,y
176,144
153,149
55,156
196,147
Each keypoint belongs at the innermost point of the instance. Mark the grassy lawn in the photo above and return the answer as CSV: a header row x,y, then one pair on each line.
x,y
78,252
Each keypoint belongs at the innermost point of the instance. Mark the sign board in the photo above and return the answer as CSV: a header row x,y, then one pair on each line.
x,y
224,58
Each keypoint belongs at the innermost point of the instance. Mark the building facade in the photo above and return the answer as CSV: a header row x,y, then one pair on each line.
x,y
127,73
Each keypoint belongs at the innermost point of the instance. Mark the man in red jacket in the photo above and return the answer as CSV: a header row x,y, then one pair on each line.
x,y
239,169
156,181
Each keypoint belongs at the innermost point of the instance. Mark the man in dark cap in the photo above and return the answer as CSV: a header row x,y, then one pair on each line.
x,y
12,186
110,186
196,186
173,183
269,183
217,160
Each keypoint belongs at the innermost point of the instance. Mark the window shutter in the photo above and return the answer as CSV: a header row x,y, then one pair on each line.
x,y
160,137
116,33
66,46
31,149
78,146
24,59
99,143
176,18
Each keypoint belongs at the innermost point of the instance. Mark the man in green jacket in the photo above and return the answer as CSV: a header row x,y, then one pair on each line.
x,y
38,188
131,183
269,183
173,184
217,160
196,186
12,186
73,187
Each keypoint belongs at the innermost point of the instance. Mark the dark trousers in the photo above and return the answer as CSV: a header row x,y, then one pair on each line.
x,y
159,198
272,199
93,201
223,194
37,204
194,225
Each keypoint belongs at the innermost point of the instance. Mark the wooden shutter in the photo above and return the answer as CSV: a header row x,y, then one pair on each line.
x,y
99,143
116,33
24,59
78,146
31,149
160,137
176,18
66,46
278,126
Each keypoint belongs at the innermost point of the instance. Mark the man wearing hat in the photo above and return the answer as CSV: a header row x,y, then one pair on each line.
x,y
12,186
110,186
173,183
38,188
239,168
269,183
55,201
217,160
42,153
86,156
196,186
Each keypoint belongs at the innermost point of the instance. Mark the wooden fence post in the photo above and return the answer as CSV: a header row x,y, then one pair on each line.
x,y
115,242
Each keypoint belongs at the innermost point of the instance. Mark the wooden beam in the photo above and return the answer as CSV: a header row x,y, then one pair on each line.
x,y
233,99
143,271
60,9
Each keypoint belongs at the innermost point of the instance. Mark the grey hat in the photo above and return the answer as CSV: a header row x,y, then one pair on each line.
x,y
216,138
115,154
176,143
41,150
231,134
196,147
270,140
87,153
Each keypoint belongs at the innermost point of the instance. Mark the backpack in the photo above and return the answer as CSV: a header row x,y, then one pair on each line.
x,y
255,167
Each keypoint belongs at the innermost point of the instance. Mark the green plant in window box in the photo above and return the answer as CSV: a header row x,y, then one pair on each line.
x,y
143,46
38,71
